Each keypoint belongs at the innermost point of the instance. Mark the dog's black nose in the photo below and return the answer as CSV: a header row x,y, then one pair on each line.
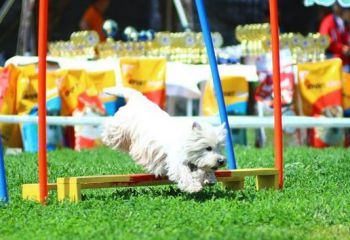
x,y
221,161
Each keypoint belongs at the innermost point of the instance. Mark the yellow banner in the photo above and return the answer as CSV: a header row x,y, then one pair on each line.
x,y
27,90
8,84
102,79
71,85
235,91
143,74
28,69
317,81
346,93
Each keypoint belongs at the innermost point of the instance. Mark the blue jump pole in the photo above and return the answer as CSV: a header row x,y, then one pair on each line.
x,y
217,83
3,186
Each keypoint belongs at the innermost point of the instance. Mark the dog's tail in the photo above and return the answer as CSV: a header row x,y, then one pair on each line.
x,y
124,92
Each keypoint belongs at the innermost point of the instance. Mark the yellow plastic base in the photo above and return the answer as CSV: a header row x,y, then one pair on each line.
x,y
32,191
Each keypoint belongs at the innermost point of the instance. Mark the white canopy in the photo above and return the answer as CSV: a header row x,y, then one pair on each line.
x,y
344,3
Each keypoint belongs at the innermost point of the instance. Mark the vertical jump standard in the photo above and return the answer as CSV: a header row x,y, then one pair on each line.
x,y
3,184
42,46
276,85
276,90
217,82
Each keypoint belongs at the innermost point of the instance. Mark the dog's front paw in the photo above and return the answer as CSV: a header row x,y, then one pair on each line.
x,y
209,182
209,179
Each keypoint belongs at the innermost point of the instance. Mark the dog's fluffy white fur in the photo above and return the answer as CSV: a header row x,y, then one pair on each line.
x,y
187,152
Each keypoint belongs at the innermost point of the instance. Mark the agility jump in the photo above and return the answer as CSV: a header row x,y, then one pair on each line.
x,y
70,188
234,178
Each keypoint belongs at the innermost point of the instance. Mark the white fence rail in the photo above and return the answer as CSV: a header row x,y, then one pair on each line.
x,y
234,121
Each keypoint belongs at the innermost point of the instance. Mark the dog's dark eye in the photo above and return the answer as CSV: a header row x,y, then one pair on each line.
x,y
209,148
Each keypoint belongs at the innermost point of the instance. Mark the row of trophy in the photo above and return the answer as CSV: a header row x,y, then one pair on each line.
x,y
186,47
81,44
255,39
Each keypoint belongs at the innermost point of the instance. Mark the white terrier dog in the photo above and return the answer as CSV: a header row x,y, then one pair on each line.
x,y
187,152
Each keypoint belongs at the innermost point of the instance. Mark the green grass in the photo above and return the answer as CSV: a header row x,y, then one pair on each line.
x,y
314,203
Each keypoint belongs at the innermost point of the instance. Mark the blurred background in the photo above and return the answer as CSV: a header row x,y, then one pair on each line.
x,y
18,25
143,43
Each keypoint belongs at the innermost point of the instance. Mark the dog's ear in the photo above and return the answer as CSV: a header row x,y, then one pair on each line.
x,y
222,127
196,126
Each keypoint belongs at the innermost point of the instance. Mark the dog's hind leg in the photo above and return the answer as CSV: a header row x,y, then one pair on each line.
x,y
149,154
115,136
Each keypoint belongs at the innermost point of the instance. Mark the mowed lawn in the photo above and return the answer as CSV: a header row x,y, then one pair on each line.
x,y
314,203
